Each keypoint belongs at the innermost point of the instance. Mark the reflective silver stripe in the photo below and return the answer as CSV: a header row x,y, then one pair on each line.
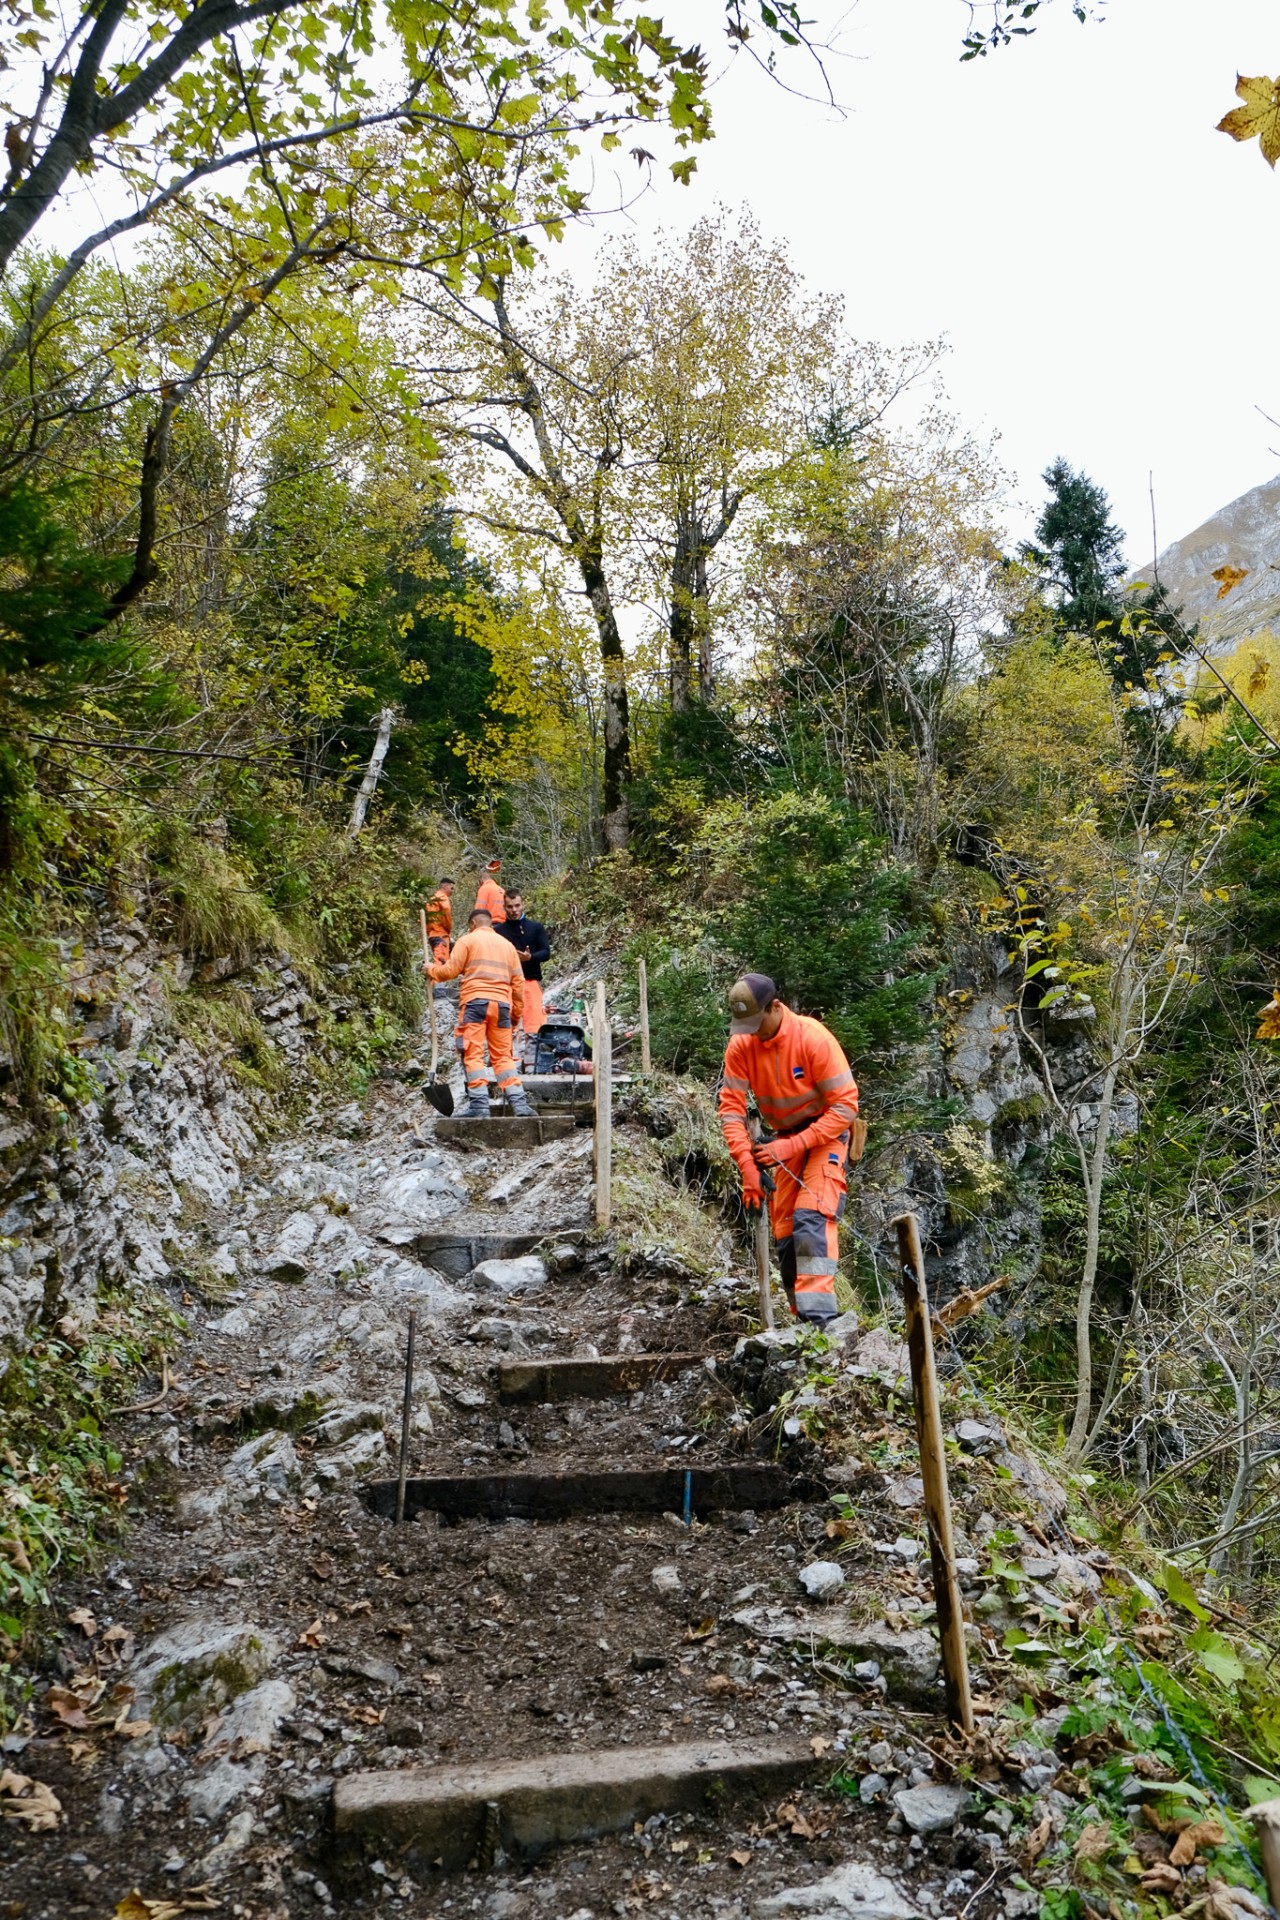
x,y
739,1086
786,1099
811,1264
833,1081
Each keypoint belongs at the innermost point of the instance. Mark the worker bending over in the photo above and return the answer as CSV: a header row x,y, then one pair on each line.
x,y
807,1097
529,938
492,992
490,896
440,920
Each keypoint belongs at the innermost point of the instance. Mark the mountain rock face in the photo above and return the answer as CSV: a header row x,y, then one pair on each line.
x,y
1245,535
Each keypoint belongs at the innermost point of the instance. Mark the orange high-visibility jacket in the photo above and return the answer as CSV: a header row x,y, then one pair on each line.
x,y
492,898
489,967
801,1081
439,917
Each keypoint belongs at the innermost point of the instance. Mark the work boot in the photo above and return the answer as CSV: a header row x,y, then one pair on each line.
x,y
520,1104
477,1107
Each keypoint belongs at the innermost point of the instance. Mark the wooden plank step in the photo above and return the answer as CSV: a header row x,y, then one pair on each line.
x,y
553,1381
505,1130
554,1496
449,1815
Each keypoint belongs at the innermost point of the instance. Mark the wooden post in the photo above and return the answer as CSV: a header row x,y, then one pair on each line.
x,y
602,1062
763,1276
431,992
933,1469
1266,1818
646,1062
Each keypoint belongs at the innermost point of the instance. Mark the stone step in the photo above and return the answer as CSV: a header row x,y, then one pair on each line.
x,y
557,1496
449,1815
553,1381
455,1254
505,1130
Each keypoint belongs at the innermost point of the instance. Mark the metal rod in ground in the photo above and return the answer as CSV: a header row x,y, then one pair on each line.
x,y
406,1416
646,1058
602,1060
933,1471
764,1287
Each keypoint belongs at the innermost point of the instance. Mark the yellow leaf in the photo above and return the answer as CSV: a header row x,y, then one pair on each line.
x,y
1269,1019
1228,577
1259,116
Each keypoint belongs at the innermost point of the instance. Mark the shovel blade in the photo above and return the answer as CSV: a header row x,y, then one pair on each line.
x,y
440,1097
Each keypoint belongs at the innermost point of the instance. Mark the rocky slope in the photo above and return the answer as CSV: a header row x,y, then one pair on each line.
x,y
1245,536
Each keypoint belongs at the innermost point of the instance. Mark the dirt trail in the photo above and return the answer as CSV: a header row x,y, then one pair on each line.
x,y
260,1634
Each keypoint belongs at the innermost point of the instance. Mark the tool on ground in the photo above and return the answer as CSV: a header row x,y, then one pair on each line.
x,y
406,1416
933,1471
763,1275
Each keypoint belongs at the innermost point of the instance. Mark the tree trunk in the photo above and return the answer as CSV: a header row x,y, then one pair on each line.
x,y
1093,1169
617,721
681,626
372,773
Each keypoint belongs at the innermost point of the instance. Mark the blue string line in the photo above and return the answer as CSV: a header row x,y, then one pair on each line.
x,y
688,1496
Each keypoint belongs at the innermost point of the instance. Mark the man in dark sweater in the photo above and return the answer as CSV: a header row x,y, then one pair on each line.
x,y
529,938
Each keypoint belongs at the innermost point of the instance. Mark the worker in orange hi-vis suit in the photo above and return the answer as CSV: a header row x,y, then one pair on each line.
x,y
490,896
808,1099
491,999
440,920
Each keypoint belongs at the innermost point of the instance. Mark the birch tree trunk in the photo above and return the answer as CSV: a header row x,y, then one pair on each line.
x,y
372,773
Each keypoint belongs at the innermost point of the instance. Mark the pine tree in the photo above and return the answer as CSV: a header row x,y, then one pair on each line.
x,y
1078,549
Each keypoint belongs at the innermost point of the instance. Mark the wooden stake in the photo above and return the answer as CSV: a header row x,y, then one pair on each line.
x,y
1266,1818
646,1062
763,1276
602,1060
431,993
406,1417
933,1469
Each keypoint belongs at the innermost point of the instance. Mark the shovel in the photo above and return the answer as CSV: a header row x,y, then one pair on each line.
x,y
440,1096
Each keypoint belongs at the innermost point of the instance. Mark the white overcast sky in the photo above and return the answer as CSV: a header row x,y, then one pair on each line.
x,y
1103,263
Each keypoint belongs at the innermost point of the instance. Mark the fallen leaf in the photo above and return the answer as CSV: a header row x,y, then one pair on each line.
x,y
700,1630
367,1716
1258,118
323,1567
131,1729
69,1708
1036,1841
819,1745
1204,1833
82,1618
312,1636
1227,578
135,1906
118,1641
740,1857
720,1683
1094,1843
1269,1018
1162,1878
1152,1767
30,1801
355,1607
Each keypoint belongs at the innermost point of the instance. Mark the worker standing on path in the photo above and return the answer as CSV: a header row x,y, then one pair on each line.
x,y
492,993
808,1099
440,920
529,938
490,896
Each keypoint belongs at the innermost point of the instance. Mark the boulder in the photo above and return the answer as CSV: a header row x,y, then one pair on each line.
x,y
931,1809
821,1578
854,1889
267,1465
528,1274
199,1668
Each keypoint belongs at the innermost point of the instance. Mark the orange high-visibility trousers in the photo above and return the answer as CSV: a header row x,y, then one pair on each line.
x,y
488,1023
804,1213
534,1015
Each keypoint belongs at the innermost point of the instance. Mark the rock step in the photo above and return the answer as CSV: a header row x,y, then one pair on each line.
x,y
547,1382
450,1815
505,1130
456,1254
556,1496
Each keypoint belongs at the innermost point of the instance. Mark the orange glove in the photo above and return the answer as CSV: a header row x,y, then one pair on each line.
x,y
780,1153
752,1187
